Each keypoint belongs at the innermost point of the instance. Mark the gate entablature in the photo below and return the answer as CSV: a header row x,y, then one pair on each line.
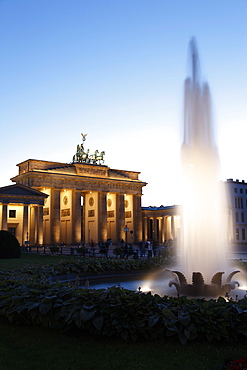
x,y
79,176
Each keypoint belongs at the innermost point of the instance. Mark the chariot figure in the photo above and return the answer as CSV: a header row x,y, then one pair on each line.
x,y
83,156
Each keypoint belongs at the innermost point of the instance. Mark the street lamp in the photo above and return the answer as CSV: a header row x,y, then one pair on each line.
x,y
126,229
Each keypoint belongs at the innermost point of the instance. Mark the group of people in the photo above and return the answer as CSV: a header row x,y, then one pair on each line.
x,y
104,247
146,249
128,250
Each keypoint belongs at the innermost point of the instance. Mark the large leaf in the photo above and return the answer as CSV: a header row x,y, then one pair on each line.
x,y
153,320
167,313
45,307
87,314
184,319
98,321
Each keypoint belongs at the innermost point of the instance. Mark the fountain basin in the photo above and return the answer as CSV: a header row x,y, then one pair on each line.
x,y
198,288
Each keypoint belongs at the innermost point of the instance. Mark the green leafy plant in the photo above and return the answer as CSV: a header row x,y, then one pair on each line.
x,y
29,297
117,312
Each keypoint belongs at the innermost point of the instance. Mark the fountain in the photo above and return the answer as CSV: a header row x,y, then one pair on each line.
x,y
203,253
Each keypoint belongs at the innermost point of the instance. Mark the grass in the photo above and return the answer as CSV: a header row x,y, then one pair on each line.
x,y
24,348
31,259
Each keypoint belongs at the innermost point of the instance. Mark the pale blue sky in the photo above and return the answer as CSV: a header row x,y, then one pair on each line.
x,y
115,70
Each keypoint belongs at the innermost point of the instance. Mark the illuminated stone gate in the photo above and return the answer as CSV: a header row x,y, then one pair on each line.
x,y
86,201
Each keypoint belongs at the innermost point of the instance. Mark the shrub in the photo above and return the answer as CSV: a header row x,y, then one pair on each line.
x,y
54,249
118,251
9,245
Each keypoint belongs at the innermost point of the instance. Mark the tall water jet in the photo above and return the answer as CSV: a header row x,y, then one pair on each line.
x,y
202,251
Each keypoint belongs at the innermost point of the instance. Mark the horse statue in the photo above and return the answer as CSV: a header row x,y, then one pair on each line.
x,y
85,156
100,157
92,157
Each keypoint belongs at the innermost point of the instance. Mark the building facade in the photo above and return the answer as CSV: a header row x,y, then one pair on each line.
x,y
21,213
84,202
237,203
56,203
162,224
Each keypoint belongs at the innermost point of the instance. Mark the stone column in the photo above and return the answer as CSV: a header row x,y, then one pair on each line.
x,y
76,216
172,228
155,236
168,228
145,228
33,225
120,217
163,230
102,216
83,218
40,231
159,230
137,218
55,216
4,217
149,228
25,224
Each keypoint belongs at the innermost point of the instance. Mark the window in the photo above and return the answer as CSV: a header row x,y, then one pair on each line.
x,y
235,190
239,203
11,230
243,234
241,191
237,234
236,216
12,213
242,216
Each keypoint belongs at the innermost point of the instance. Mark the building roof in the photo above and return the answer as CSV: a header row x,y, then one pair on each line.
x,y
18,193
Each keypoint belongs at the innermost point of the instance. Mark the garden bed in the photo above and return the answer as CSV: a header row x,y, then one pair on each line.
x,y
28,297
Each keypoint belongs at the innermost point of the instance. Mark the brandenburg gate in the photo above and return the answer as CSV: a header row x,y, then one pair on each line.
x,y
86,200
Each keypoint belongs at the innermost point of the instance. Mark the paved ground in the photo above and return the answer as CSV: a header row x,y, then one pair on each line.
x,y
71,251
